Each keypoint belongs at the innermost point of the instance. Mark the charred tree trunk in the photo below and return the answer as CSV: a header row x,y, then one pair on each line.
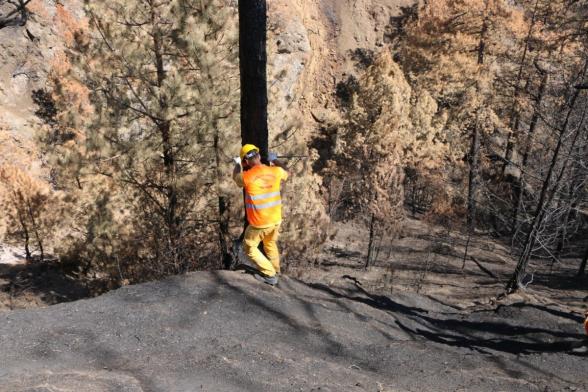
x,y
35,227
253,70
18,16
252,64
582,269
473,175
475,147
168,153
514,111
519,188
575,179
223,208
472,186
26,235
370,253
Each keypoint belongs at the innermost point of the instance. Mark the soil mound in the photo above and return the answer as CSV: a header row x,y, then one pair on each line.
x,y
224,331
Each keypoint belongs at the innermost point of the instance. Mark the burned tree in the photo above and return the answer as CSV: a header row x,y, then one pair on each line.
x,y
549,188
252,63
13,13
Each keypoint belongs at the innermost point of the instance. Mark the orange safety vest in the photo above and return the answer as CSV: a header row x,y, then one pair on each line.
x,y
263,201
586,324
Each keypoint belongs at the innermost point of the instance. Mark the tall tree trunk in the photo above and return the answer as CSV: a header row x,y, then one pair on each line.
x,y
514,111
252,64
544,199
370,252
223,206
475,145
575,179
25,231
472,186
519,188
164,128
473,175
35,228
253,72
582,269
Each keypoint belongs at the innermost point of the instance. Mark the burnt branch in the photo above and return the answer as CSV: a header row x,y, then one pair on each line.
x,y
13,13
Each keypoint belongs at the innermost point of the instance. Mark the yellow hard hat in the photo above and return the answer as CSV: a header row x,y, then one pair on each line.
x,y
247,148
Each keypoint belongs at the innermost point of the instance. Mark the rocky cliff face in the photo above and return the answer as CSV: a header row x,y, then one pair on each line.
x,y
309,51
26,56
309,46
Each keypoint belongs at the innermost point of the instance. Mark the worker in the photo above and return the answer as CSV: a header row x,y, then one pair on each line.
x,y
586,324
263,206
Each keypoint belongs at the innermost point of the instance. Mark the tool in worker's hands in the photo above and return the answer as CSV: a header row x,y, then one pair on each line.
x,y
272,156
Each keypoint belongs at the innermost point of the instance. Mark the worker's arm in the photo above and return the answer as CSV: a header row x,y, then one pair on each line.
x,y
280,164
237,175
273,159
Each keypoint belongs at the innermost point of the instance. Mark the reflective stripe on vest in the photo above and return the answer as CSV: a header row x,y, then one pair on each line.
x,y
263,206
262,196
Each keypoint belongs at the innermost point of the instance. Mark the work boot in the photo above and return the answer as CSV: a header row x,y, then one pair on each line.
x,y
271,280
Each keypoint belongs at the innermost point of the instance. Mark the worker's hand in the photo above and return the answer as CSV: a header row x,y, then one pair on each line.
x,y
237,160
272,156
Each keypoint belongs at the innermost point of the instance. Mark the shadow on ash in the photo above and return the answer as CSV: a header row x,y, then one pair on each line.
x,y
225,331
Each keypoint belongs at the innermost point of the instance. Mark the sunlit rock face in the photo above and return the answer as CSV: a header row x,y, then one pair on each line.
x,y
310,49
27,53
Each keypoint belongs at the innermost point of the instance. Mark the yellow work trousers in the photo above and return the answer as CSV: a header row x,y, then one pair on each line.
x,y
269,236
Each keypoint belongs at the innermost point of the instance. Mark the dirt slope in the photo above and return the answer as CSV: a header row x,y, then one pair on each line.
x,y
225,331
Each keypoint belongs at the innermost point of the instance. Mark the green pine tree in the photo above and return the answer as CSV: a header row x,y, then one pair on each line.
x,y
149,160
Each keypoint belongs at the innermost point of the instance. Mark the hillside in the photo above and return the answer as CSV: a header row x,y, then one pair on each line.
x,y
223,331
307,41
436,153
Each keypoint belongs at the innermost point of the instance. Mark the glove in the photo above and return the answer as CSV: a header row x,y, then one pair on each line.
x,y
237,160
272,156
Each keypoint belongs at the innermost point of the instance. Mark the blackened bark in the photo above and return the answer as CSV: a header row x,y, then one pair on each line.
x,y
475,144
371,241
473,175
224,236
164,128
252,64
25,232
18,16
514,111
575,178
519,188
582,269
482,43
35,228
472,185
